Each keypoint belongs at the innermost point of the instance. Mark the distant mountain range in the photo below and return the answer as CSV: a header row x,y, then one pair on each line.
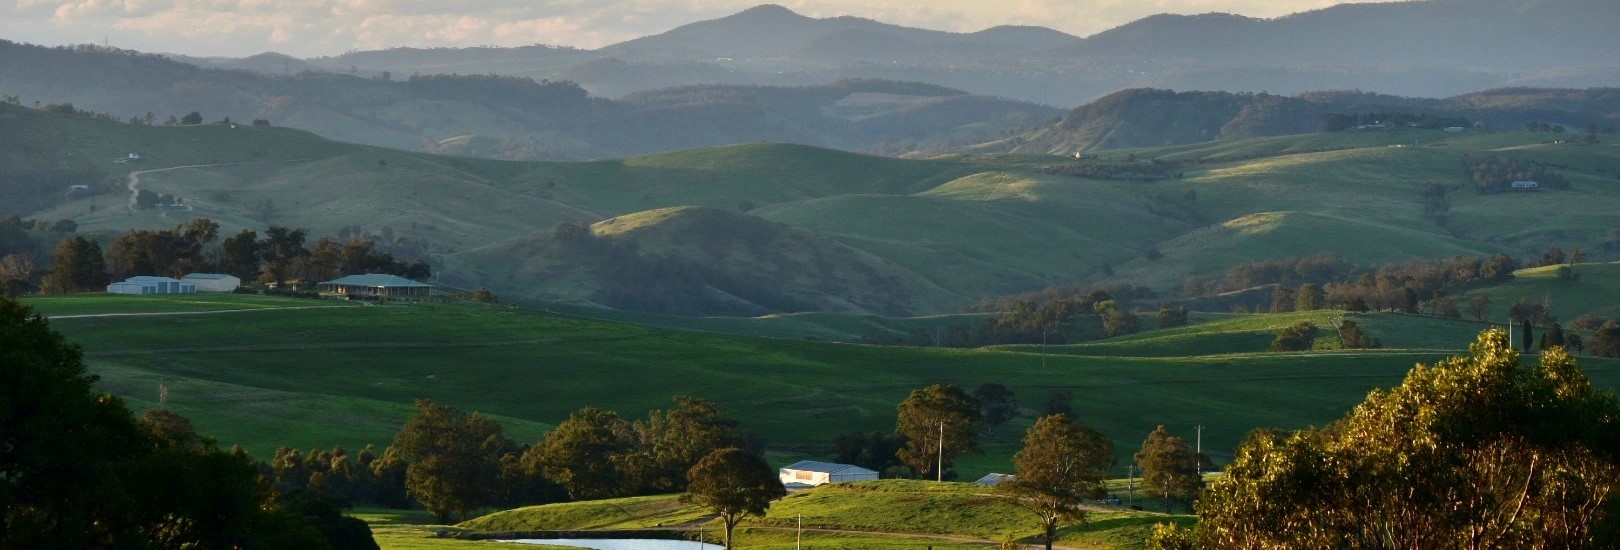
x,y
769,74
1432,48
510,117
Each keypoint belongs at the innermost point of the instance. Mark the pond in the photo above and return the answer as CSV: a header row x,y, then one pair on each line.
x,y
624,544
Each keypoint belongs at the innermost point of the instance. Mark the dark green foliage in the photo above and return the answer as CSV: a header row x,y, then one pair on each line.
x,y
1492,174
454,459
1351,337
872,450
170,253
1283,299
76,266
325,514
1169,468
1535,313
77,471
735,484
996,404
1444,306
1059,402
1587,322
239,255
1172,316
191,119
1062,464
1118,322
928,413
1553,337
1606,343
1436,204
1479,307
584,454
1130,170
1328,282
672,441
1298,337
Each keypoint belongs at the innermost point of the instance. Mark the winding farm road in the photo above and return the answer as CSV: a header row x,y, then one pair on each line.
x,y
135,177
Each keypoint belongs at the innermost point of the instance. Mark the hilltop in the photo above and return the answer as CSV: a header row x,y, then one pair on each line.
x,y
508,117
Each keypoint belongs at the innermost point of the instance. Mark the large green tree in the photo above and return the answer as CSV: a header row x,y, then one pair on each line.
x,y
585,454
1169,467
78,471
454,458
1062,463
672,441
927,415
76,265
997,404
239,255
735,484
1476,451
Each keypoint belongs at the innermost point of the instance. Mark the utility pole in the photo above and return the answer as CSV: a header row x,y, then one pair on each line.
x,y
1130,482
1200,458
800,538
939,468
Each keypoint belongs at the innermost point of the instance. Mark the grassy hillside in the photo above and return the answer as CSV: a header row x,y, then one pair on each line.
x,y
912,236
347,375
838,513
1591,293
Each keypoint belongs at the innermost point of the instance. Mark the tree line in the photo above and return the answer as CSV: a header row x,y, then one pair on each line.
x,y
1493,174
279,255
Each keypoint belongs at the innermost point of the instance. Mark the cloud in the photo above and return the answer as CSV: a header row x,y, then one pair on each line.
x,y
323,27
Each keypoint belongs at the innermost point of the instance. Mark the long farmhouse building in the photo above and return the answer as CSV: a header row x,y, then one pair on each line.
x,y
388,286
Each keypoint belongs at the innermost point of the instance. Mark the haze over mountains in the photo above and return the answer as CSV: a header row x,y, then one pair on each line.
x,y
1431,48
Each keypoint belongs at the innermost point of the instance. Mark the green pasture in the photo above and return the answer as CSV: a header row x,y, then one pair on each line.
x,y
329,376
887,512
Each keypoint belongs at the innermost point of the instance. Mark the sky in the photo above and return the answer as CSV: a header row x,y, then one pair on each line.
x,y
309,28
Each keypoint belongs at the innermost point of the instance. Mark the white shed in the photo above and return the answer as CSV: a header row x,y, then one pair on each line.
x,y
212,282
151,285
809,473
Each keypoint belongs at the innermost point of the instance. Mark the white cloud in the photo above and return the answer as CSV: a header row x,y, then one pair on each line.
x,y
322,27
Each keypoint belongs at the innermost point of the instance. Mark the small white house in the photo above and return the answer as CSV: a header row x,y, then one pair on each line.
x,y
212,282
1526,184
151,285
809,473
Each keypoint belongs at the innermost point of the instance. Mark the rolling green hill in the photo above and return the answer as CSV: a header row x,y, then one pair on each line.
x,y
853,234
327,373
885,512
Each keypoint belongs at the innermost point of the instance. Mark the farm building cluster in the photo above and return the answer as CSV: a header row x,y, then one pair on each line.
x,y
189,284
352,286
